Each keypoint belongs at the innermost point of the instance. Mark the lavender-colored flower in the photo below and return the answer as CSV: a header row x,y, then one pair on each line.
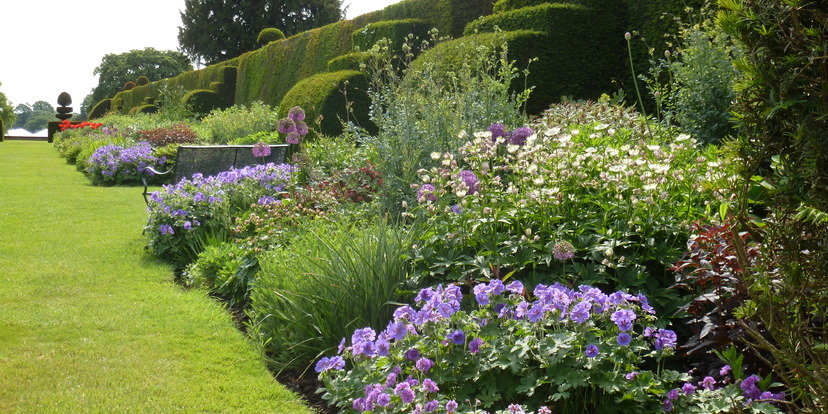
x,y
404,391
426,193
383,400
544,410
631,375
361,405
292,138
665,338
708,383
430,386
424,364
515,287
451,406
580,312
649,331
623,318
301,128
515,409
724,370
261,150
412,354
458,337
673,394
688,388
456,209
469,179
286,126
563,250
188,225
536,312
498,130
474,345
623,339
520,135
592,351
750,387
296,114
166,229
396,331
431,406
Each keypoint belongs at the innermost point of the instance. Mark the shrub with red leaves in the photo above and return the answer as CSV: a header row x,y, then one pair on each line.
x,y
176,134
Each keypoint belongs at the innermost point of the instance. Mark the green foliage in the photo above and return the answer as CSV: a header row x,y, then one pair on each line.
x,y
226,269
128,85
117,69
2,130
227,125
271,34
268,137
396,31
241,22
350,61
447,16
783,144
333,99
7,113
574,59
432,105
100,109
203,101
323,285
142,80
143,109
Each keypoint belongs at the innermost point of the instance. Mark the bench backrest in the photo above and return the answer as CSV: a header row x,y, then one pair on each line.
x,y
213,159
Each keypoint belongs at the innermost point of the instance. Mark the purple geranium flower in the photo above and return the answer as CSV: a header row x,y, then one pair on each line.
x,y
591,351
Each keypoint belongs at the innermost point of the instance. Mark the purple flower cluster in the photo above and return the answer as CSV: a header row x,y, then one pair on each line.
x,y
749,386
261,149
515,137
426,193
112,163
294,125
381,394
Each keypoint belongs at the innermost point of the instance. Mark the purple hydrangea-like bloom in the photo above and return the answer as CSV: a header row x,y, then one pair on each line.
x,y
383,400
451,406
424,364
261,150
458,337
498,130
563,251
665,338
623,318
623,339
412,354
520,135
426,193
166,229
688,388
592,351
301,128
296,114
474,345
431,406
469,179
580,312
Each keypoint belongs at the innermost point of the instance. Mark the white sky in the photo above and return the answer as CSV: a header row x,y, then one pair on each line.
x,y
51,46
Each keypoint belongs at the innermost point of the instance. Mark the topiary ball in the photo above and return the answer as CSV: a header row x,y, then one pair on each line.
x,y
129,85
142,80
271,34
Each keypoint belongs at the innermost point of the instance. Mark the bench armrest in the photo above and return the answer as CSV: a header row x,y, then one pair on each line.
x,y
144,180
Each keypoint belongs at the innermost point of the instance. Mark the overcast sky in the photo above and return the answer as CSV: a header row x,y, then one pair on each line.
x,y
51,46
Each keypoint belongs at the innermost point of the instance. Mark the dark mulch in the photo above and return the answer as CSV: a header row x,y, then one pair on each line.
x,y
306,386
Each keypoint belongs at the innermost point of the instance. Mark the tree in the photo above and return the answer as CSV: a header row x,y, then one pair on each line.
x,y
117,69
34,118
217,30
6,112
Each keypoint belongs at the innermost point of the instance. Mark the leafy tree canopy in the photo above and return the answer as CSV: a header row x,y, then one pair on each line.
x,y
35,117
6,112
216,30
117,69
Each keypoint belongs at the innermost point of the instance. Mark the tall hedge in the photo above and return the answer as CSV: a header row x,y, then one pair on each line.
x,y
448,16
325,94
395,31
2,131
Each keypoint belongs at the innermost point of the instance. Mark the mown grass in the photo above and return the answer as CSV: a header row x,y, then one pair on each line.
x,y
90,324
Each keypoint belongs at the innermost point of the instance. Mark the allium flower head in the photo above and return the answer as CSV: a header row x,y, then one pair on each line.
x,y
287,126
301,128
498,130
520,135
563,250
296,114
426,193
292,138
261,150
470,180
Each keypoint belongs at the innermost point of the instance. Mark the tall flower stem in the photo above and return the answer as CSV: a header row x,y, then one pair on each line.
x,y
627,37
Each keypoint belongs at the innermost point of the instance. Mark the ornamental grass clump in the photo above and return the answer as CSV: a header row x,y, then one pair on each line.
x,y
182,215
552,349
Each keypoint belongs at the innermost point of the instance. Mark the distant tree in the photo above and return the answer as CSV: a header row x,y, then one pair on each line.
x,y
117,69
217,30
43,106
6,112
23,112
38,121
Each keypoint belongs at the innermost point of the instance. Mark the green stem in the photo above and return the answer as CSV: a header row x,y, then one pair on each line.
x,y
635,81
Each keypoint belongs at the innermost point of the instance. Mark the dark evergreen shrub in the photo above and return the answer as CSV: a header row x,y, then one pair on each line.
x,y
142,80
351,61
271,34
100,109
202,101
143,109
393,30
129,85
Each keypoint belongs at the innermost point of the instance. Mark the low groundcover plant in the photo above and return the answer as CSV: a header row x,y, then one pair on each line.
x,y
561,349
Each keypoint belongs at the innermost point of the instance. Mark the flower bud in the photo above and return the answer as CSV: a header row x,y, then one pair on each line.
x,y
627,36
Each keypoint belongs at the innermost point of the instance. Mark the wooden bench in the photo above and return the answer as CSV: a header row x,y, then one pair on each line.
x,y
213,159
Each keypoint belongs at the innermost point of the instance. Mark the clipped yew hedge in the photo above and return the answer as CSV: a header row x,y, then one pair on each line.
x,y
448,16
203,101
101,108
395,31
351,61
325,95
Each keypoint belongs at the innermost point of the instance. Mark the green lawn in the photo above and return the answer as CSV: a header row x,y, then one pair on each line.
x,y
89,324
